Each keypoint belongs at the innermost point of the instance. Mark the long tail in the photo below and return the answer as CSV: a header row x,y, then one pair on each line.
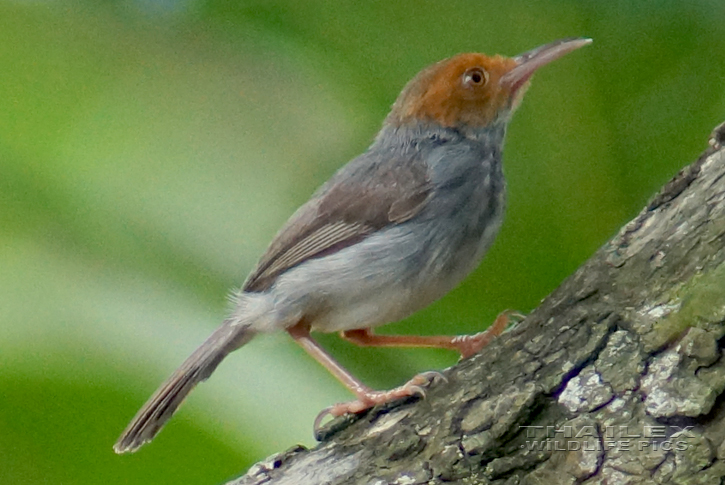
x,y
198,367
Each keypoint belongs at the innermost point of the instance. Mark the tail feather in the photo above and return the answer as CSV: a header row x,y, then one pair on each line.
x,y
197,368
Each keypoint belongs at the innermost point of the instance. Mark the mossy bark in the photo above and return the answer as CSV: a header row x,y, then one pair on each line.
x,y
618,376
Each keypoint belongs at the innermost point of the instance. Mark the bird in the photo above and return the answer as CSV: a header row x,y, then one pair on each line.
x,y
392,231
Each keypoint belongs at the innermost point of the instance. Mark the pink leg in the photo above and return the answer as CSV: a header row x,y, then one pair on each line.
x,y
467,345
366,397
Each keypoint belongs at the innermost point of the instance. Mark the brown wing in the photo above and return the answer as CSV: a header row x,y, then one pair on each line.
x,y
363,197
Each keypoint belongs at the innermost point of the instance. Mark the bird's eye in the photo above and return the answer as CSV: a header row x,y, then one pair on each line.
x,y
475,76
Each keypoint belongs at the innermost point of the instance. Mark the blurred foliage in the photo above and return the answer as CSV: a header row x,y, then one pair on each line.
x,y
149,150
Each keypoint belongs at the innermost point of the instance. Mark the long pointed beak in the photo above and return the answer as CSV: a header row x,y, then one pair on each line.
x,y
529,62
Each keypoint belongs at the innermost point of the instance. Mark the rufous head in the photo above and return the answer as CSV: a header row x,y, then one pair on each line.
x,y
473,90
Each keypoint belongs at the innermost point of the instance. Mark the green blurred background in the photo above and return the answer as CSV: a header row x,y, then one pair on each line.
x,y
149,150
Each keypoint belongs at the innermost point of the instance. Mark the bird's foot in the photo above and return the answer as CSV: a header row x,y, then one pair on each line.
x,y
368,398
469,345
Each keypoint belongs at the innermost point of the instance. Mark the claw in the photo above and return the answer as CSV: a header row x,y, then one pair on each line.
x,y
317,425
432,376
514,318
416,391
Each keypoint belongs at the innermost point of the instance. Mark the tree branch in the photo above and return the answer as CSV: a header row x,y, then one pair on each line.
x,y
616,378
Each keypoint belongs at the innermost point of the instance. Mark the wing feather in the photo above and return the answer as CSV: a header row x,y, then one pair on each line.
x,y
363,197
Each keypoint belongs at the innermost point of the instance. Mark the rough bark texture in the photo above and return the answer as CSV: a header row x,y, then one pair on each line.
x,y
617,378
